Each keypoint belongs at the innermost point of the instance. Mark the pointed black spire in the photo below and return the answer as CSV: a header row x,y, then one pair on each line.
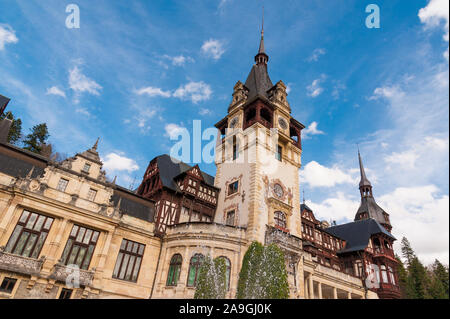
x,y
364,181
369,208
262,58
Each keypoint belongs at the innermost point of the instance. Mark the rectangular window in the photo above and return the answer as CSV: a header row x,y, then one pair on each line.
x,y
279,154
65,293
80,247
86,168
91,194
29,235
230,218
233,188
62,184
8,285
129,261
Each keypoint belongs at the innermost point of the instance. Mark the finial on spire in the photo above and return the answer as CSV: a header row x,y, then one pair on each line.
x,y
262,57
364,185
96,144
304,200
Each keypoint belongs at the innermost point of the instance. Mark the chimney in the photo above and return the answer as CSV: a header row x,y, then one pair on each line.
x,y
3,103
5,126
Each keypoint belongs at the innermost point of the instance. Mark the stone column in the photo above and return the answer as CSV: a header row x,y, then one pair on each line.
x,y
311,286
52,250
349,295
7,216
319,286
335,296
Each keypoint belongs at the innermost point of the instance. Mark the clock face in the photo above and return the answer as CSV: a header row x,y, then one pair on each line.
x,y
282,123
278,190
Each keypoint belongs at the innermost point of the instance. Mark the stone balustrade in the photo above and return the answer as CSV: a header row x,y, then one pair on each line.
x,y
19,264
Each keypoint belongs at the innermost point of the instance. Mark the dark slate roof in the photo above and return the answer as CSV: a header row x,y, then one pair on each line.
x,y
169,168
357,234
3,102
369,206
134,206
18,162
305,207
18,168
258,82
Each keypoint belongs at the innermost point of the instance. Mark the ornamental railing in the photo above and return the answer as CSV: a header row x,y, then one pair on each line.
x,y
19,264
72,275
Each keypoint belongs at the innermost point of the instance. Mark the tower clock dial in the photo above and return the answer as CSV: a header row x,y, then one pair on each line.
x,y
282,123
278,190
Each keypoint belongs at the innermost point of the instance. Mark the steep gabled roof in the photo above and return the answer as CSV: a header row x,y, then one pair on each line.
x,y
169,168
258,81
357,234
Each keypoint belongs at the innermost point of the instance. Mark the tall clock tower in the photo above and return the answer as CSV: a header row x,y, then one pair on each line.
x,y
258,155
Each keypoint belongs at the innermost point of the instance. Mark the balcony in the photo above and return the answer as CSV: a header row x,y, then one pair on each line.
x,y
380,252
19,264
283,239
72,275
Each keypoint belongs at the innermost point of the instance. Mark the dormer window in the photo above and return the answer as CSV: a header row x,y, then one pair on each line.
x,y
86,168
91,194
62,184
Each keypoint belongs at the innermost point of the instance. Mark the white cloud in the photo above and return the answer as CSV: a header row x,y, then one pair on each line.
x,y
7,35
422,215
336,208
195,91
179,60
427,150
405,159
288,88
114,162
213,48
389,92
316,175
434,13
311,130
151,91
316,54
54,90
173,130
314,90
205,112
81,83
83,111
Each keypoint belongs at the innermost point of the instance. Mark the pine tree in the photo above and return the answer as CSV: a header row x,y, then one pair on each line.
x,y
402,278
36,140
15,132
211,281
440,280
407,251
417,284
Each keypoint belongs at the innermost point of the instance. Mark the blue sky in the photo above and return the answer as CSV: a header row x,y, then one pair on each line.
x,y
137,71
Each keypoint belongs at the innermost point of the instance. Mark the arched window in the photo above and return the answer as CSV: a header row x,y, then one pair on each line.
x,y
384,274
174,270
280,219
194,267
391,275
266,115
228,272
250,115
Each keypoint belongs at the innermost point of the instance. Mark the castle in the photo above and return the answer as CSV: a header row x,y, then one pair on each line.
x,y
150,243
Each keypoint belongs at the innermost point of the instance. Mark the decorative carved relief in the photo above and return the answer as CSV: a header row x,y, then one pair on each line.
x,y
23,265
